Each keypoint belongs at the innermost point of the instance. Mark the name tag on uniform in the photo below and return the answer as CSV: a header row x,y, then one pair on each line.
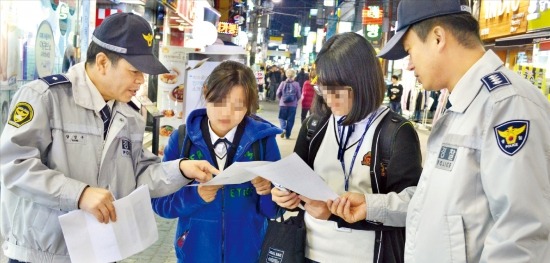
x,y
75,138
126,148
446,158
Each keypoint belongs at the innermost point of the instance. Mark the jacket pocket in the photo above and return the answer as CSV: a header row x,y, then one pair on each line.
x,y
202,241
457,243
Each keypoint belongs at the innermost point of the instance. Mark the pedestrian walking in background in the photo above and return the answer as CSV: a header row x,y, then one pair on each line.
x,y
347,112
395,91
288,94
301,77
283,74
275,79
484,194
223,223
260,79
307,95
74,141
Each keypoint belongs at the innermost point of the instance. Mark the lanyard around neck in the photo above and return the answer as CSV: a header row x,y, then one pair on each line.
x,y
343,144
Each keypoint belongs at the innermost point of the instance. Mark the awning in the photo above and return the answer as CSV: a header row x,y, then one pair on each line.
x,y
524,39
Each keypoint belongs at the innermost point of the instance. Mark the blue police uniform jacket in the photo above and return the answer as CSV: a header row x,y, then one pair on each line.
x,y
232,227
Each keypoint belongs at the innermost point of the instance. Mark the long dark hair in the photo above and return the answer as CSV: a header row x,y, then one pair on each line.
x,y
347,59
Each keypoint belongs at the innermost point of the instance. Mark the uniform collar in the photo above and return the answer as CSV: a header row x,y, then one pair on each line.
x,y
466,89
97,99
214,137
85,93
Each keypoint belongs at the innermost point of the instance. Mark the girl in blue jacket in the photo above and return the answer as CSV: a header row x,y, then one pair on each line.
x,y
215,223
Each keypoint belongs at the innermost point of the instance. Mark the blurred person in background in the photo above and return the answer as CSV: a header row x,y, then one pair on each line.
x,y
288,94
308,94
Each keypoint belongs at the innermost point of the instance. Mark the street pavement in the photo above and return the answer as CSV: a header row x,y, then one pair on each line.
x,y
163,250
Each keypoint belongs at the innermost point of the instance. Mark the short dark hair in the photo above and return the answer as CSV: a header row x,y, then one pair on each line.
x,y
94,49
227,75
395,77
463,26
348,59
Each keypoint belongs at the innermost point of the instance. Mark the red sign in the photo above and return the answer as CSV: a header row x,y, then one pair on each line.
x,y
102,13
372,15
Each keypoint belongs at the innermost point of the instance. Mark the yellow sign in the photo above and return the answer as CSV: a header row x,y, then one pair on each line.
x,y
228,28
538,17
534,75
276,40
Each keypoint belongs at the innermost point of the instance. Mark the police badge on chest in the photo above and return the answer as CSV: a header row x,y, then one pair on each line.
x,y
126,148
446,158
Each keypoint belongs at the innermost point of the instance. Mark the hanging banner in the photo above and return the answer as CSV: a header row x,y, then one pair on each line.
x,y
45,50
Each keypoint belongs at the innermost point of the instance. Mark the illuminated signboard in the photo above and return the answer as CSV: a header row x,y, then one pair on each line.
x,y
228,28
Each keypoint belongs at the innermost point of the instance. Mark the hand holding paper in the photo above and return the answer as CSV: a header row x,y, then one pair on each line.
x,y
291,172
295,175
88,240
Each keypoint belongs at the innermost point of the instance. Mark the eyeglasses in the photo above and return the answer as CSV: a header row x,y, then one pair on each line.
x,y
330,90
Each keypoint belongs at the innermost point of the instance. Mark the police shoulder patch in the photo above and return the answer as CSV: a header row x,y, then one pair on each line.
x,y
512,135
53,80
495,80
21,115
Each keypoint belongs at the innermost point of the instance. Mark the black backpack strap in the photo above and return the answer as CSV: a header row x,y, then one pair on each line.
x,y
382,147
314,124
182,133
258,149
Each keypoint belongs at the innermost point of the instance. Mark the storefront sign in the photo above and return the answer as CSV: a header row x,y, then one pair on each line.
x,y
534,74
44,49
372,19
539,15
502,18
372,15
228,28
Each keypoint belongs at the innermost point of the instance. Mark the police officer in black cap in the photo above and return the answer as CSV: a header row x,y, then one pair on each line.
x,y
73,142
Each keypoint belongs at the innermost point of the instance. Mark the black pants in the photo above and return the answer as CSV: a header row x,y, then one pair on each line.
x,y
15,261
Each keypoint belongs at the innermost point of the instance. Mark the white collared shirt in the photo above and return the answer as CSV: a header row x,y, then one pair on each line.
x,y
221,150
